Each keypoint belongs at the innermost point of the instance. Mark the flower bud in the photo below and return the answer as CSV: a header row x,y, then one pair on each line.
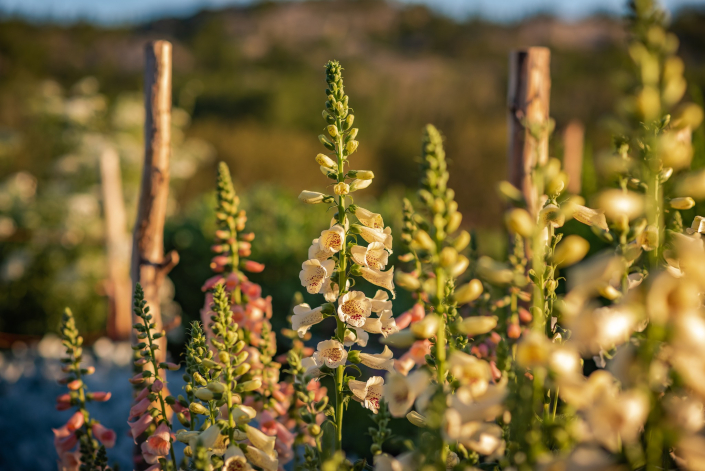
x,y
354,356
351,147
423,240
407,281
359,184
242,369
459,267
341,188
216,387
416,419
332,130
252,266
519,222
426,327
204,394
462,241
223,356
682,203
324,161
349,121
448,256
196,408
510,193
688,116
402,339
249,385
326,143
468,292
311,197
314,430
617,203
364,174
182,418
454,221
570,250
477,325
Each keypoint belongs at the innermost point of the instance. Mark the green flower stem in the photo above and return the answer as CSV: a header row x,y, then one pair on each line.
x,y
342,282
155,365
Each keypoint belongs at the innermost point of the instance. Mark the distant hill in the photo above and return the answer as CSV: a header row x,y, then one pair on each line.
x,y
259,73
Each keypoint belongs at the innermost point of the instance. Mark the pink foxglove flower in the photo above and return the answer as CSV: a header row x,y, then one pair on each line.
x,y
252,266
157,445
104,435
138,427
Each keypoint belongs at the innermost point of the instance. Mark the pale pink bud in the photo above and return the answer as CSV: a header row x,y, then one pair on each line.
x,y
64,439
514,331
252,266
158,385
251,290
143,394
403,320
90,370
104,435
137,428
248,236
137,379
171,366
139,408
76,421
211,283
100,396
233,281
140,362
524,315
74,385
218,263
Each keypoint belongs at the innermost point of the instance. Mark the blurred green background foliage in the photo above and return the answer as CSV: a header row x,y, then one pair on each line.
x,y
248,87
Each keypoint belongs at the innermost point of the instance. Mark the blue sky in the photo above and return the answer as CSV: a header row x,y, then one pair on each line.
x,y
131,11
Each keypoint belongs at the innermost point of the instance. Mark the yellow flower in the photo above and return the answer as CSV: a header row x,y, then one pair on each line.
x,y
311,197
470,371
385,279
341,188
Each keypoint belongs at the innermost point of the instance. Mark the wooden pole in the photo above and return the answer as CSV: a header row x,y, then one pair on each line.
x,y
573,148
149,265
117,243
528,101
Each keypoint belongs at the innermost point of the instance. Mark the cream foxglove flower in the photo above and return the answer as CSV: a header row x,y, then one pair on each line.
x,y
405,462
373,256
304,317
331,353
487,440
479,408
234,460
311,197
401,391
311,367
355,336
358,184
354,308
381,302
315,274
379,361
369,393
590,217
384,279
384,324
368,218
470,371
268,462
332,239
260,440
318,252
324,161
377,235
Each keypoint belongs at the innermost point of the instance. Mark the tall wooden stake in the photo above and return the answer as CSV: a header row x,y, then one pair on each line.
x,y
573,148
149,265
528,101
117,243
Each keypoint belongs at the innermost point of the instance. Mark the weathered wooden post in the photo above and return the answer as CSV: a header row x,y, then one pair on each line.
x,y
573,148
149,265
117,242
528,100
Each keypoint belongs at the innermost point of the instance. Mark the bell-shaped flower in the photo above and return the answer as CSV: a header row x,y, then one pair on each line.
x,y
359,184
332,239
470,371
304,317
619,420
64,439
138,427
257,457
311,197
472,407
590,217
384,324
311,367
157,445
234,460
401,391
331,353
315,274
384,279
377,235
104,435
318,252
381,302
368,218
408,461
260,440
354,308
356,336
369,393
373,256
379,361
487,441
